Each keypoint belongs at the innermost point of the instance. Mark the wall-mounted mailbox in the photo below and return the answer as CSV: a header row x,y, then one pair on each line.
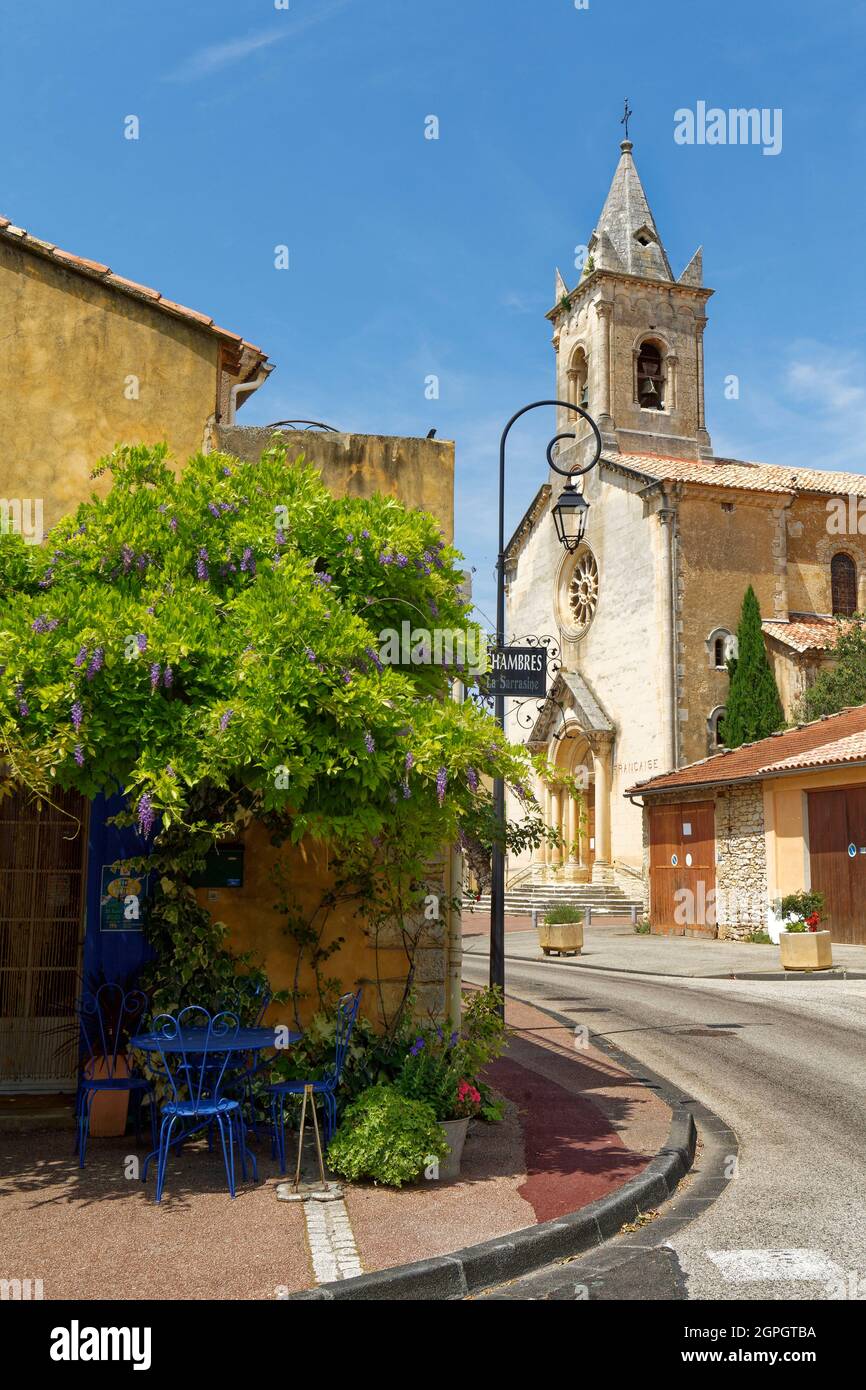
x,y
223,868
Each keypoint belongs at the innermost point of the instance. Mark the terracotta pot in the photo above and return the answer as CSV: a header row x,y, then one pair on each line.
x,y
455,1133
109,1109
805,950
561,938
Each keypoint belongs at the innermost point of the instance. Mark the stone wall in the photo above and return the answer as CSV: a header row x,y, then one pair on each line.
x,y
741,868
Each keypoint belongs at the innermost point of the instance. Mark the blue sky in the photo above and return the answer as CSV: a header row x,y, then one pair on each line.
x,y
305,127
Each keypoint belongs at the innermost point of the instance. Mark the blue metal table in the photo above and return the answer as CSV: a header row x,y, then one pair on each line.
x,y
198,1040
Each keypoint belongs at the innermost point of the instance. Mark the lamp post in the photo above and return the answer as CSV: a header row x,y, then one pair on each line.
x,y
569,517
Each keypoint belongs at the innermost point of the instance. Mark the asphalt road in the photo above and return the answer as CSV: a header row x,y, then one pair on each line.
x,y
783,1064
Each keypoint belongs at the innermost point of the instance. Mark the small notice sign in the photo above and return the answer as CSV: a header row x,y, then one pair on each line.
x,y
518,671
121,901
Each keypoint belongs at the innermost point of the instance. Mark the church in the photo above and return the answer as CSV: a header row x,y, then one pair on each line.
x,y
643,615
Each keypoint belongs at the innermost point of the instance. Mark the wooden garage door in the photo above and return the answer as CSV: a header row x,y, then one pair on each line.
x,y
837,823
682,856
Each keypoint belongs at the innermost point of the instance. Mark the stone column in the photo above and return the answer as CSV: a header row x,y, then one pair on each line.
x,y
705,447
604,309
556,822
573,824
602,805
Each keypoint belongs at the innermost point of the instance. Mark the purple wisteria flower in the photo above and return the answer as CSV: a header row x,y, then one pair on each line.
x,y
224,720
47,580
227,472
155,673
201,564
472,779
145,814
81,657
322,579
369,743
407,790
309,654
248,564
77,714
281,538
401,561
168,678
169,771
374,658
141,642
365,535
42,624
409,761
213,509
127,556
79,755
441,784
96,663
173,523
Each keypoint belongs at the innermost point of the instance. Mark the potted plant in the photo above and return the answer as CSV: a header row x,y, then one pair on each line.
x,y
803,943
441,1068
561,931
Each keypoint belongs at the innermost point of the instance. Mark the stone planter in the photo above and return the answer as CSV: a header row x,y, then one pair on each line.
x,y
561,938
455,1134
805,950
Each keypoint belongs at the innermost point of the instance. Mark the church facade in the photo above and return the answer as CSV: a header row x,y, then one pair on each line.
x,y
644,614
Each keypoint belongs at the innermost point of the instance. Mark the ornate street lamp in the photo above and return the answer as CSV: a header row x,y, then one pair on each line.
x,y
569,518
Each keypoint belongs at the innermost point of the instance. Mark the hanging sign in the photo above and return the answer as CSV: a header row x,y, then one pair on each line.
x,y
518,671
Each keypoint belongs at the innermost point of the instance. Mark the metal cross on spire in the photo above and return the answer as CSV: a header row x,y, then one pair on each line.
x,y
626,116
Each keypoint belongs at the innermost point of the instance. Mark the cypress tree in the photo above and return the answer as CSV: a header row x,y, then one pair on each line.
x,y
754,709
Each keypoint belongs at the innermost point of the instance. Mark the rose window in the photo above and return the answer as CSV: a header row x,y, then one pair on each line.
x,y
583,590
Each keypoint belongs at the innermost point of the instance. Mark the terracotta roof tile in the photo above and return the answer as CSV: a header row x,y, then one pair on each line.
x,y
804,632
738,473
96,270
842,750
787,748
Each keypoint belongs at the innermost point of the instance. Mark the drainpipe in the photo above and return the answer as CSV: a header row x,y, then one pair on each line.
x,y
667,631
247,387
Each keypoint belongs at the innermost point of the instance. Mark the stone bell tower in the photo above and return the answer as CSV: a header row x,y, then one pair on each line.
x,y
629,337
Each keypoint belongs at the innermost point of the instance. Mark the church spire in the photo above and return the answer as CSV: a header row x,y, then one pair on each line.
x,y
626,237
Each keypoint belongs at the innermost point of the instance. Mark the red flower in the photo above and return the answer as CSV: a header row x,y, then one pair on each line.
x,y
812,921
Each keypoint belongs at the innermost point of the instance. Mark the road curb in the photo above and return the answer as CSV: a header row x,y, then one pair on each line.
x,y
835,972
476,1267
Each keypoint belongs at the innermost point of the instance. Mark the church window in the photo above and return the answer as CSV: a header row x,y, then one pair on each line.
x,y
843,584
650,377
715,729
721,647
583,590
578,379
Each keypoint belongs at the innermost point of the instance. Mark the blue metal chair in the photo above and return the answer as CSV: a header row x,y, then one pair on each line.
x,y
238,1079
347,1011
195,1049
108,1016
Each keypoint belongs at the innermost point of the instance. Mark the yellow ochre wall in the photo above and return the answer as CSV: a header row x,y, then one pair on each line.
x,y
786,827
68,346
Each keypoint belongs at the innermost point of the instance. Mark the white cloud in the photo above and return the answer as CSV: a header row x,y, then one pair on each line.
x,y
217,56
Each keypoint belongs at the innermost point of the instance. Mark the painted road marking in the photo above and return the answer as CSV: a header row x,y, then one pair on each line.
x,y
756,1266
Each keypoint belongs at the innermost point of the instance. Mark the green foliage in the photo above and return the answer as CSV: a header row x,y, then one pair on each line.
x,y
372,1058
754,709
759,938
218,628
442,1065
643,928
387,1137
800,907
565,913
845,684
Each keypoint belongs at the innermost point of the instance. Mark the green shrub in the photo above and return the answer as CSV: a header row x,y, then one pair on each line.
x,y
759,938
563,914
386,1137
643,928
